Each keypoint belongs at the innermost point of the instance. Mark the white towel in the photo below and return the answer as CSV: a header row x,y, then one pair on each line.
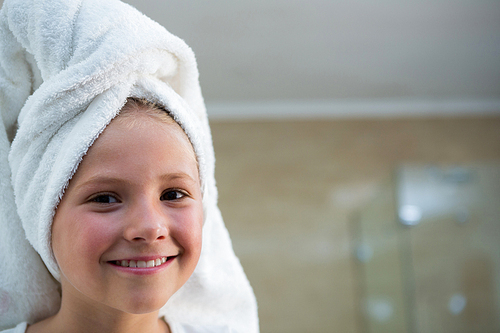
x,y
66,69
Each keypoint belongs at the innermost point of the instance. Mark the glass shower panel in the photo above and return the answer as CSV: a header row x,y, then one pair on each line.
x,y
427,251
381,300
453,266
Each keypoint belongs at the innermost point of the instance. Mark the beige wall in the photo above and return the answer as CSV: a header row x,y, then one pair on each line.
x,y
288,191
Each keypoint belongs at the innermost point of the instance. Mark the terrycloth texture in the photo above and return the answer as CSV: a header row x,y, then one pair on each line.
x,y
66,69
21,328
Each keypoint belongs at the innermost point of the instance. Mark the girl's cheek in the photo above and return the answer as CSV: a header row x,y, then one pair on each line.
x,y
192,227
96,234
82,236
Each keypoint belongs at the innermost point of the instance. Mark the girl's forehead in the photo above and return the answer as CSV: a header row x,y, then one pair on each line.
x,y
140,114
140,144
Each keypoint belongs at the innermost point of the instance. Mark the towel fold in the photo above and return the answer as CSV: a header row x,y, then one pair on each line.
x,y
66,69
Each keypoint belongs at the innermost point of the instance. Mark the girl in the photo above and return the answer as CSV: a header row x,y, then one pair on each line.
x,y
109,211
135,204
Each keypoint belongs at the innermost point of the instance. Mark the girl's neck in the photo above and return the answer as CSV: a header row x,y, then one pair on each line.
x,y
71,319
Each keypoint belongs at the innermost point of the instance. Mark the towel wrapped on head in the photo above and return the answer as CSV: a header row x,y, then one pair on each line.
x,y
66,69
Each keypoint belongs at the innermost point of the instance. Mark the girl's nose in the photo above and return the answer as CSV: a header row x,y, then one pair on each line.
x,y
144,222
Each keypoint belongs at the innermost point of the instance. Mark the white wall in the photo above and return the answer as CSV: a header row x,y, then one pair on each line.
x,y
340,51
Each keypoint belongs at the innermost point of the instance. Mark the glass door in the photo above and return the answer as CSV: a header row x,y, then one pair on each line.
x,y
428,252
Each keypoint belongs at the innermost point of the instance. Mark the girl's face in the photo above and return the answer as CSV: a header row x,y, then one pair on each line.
x,y
134,201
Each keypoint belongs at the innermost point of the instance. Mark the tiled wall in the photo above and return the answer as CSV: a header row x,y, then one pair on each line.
x,y
289,191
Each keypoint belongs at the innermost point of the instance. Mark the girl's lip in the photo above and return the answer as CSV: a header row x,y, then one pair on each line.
x,y
144,258
141,266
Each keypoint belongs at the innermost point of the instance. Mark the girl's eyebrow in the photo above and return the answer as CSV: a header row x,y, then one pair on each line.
x,y
178,175
115,180
99,180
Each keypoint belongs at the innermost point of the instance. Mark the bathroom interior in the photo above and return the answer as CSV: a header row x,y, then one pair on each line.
x,y
358,157
366,225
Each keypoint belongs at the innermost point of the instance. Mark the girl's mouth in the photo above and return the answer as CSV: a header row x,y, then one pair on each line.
x,y
141,263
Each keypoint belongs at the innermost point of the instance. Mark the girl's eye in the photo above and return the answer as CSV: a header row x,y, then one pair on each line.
x,y
104,199
172,195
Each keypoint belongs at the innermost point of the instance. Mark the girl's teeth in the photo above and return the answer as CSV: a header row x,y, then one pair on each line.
x,y
141,263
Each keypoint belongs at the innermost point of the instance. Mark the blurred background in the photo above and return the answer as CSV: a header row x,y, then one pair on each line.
x,y
358,156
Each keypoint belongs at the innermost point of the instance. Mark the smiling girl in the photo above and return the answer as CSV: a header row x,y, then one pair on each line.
x,y
135,205
108,199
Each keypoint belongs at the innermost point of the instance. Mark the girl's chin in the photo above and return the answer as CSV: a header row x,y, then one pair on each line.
x,y
143,307
137,305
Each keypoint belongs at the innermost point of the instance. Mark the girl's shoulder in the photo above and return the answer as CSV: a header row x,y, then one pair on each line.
x,y
185,328
176,328
21,328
